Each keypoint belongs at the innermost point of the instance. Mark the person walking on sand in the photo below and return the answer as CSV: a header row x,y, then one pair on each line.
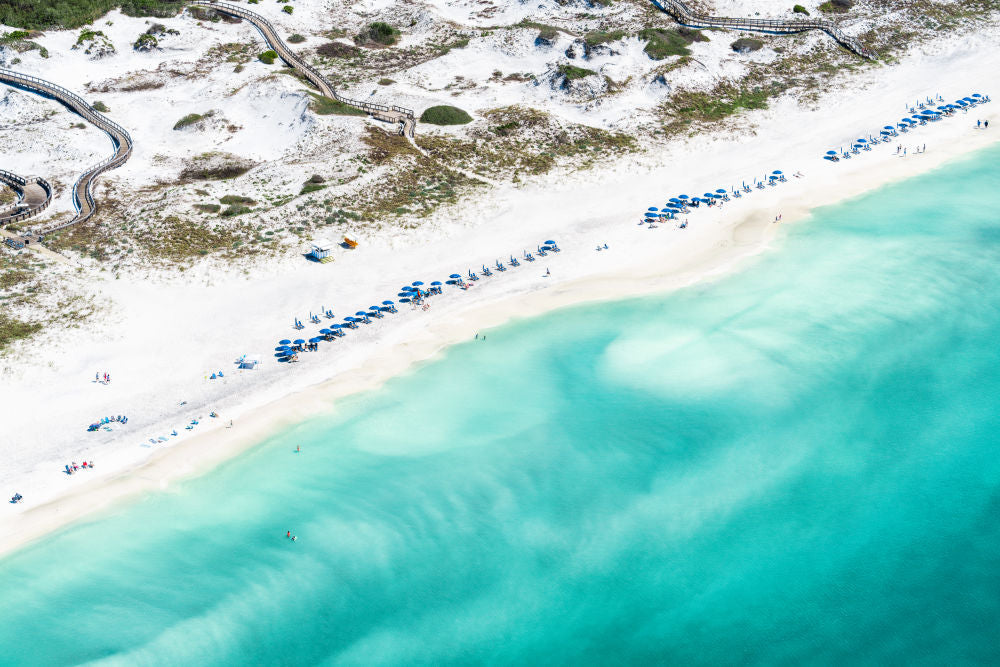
x,y
979,124
987,125
547,271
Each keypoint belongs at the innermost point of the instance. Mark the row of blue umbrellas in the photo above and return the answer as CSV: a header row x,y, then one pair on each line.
x,y
905,124
680,203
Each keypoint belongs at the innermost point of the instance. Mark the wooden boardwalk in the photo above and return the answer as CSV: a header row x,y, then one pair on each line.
x,y
684,15
389,113
83,199
35,194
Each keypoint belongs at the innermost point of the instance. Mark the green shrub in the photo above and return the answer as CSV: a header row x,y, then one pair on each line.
x,y
337,50
235,209
237,199
316,178
189,119
268,57
296,39
836,6
379,33
288,9
445,115
664,43
208,208
571,72
100,106
799,9
325,106
311,187
746,45
71,14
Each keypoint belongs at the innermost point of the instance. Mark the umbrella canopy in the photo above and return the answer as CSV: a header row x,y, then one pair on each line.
x,y
387,303
887,127
405,300
684,197
721,191
336,326
316,339
417,283
350,319
862,141
325,331
553,242
831,152
436,282
454,275
361,313
708,194
675,200
651,208
284,342
299,341
776,172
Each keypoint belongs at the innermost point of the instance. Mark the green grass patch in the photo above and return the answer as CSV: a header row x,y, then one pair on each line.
x,y
572,72
724,101
296,39
445,115
595,37
267,57
325,106
13,329
208,208
100,106
674,42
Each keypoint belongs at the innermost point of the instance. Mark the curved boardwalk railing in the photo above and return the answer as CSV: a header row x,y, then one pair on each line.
x,y
19,183
83,200
683,14
391,113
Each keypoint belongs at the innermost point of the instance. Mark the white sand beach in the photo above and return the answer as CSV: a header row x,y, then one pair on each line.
x,y
161,339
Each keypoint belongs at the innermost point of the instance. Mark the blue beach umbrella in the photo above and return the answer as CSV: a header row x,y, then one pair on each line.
x,y
435,283
776,172
417,283
299,341
553,242
361,313
652,208
387,303
316,339
831,152
325,331
336,326
284,342
721,191
684,197
454,275
405,300
350,319
675,200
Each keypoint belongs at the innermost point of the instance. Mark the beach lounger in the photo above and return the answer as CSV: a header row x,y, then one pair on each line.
x,y
487,272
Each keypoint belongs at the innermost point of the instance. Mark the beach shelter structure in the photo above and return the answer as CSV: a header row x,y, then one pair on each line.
x,y
321,250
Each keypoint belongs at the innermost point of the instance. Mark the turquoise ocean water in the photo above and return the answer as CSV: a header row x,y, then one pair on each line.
x,y
795,464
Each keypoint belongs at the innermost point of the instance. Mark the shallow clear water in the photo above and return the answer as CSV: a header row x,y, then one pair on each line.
x,y
796,464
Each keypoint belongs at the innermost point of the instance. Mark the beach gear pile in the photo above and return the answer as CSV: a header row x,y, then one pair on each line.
x,y
928,111
683,204
416,294
105,421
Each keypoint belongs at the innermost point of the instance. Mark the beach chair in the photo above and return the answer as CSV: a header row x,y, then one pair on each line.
x,y
736,194
555,248
513,261
486,271
500,266
473,276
